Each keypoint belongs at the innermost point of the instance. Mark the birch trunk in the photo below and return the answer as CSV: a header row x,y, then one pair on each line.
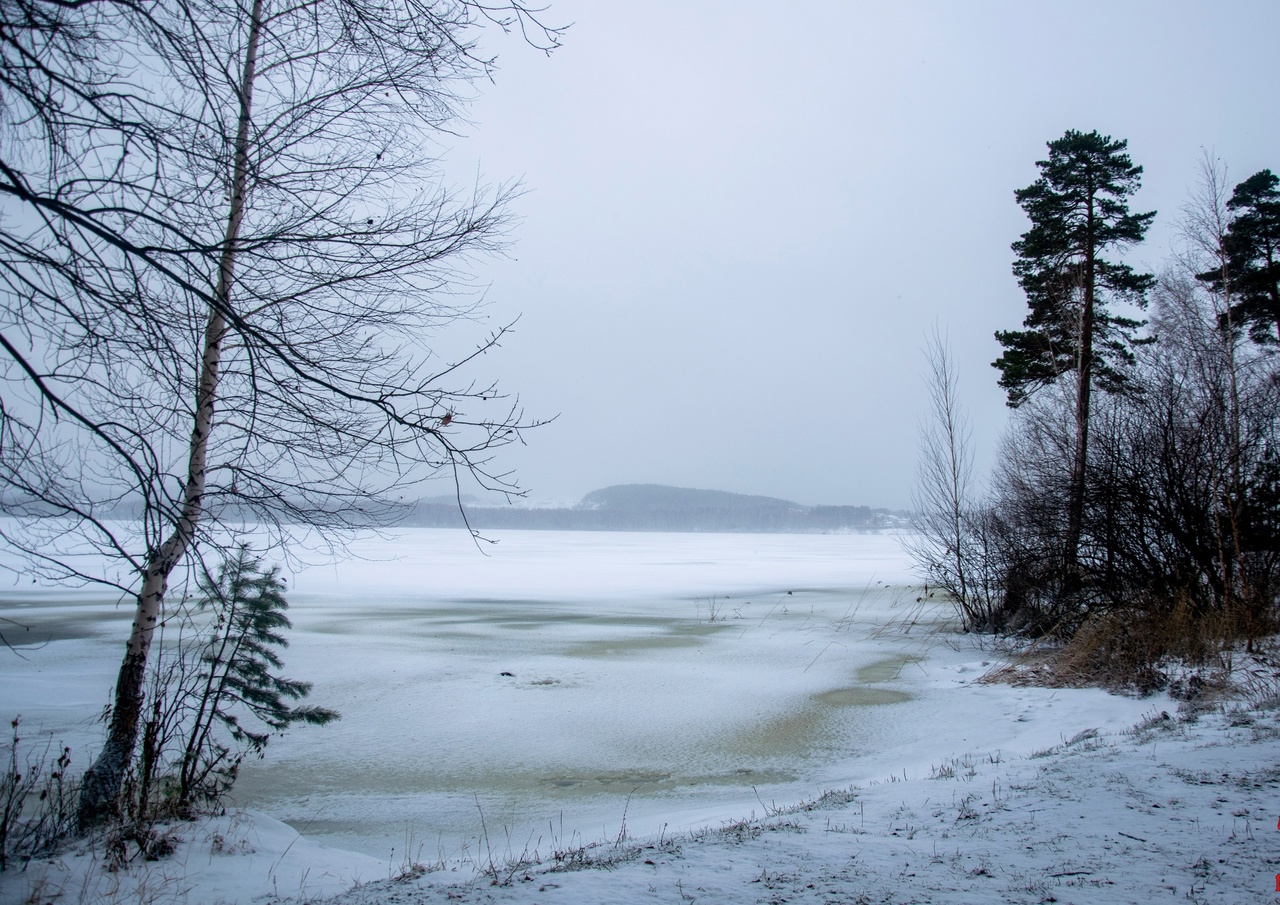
x,y
102,784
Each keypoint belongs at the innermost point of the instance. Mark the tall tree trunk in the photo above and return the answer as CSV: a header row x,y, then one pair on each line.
x,y
100,792
1084,391
1080,457
1274,289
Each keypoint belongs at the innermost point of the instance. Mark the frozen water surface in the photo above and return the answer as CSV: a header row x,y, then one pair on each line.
x,y
679,679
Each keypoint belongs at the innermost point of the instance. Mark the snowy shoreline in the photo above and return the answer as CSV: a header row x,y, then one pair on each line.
x,y
1178,808
679,686
1181,807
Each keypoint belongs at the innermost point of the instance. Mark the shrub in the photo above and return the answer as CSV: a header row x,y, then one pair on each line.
x,y
37,802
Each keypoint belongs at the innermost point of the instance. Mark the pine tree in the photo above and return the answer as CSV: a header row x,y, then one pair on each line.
x,y
1078,211
1250,278
236,680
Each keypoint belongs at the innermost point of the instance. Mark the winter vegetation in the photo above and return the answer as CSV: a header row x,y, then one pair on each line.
x,y
238,333
1138,526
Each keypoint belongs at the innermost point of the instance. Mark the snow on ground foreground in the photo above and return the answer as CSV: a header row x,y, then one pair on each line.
x,y
1179,809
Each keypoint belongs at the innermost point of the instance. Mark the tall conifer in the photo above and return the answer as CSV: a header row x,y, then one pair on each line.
x,y
1251,277
1078,211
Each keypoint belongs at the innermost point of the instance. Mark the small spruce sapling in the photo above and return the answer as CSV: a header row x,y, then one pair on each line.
x,y
238,690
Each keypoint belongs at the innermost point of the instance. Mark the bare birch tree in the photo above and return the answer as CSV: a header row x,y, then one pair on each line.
x,y
1215,353
222,315
941,498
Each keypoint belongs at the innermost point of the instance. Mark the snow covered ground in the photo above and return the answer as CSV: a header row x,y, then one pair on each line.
x,y
665,688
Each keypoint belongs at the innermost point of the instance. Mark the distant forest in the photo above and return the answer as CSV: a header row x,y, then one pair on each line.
x,y
655,507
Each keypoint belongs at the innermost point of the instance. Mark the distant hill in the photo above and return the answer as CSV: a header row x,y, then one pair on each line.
x,y
650,497
657,507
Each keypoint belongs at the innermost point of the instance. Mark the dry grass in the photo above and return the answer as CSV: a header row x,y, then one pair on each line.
x,y
37,800
1148,649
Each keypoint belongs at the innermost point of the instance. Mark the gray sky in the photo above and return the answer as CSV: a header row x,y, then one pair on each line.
x,y
741,217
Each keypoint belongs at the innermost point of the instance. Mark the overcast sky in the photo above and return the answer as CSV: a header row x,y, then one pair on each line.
x,y
741,217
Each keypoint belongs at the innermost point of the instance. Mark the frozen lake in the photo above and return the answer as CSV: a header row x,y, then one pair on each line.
x,y
679,679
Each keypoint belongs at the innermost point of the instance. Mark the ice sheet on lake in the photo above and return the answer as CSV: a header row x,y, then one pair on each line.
x,y
679,678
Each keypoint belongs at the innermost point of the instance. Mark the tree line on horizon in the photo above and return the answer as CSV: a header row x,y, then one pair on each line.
x,y
673,516
1135,506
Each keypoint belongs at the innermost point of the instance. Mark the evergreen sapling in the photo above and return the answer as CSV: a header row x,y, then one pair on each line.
x,y
239,690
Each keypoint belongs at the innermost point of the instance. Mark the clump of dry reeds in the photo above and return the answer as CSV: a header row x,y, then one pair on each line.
x,y
1190,651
